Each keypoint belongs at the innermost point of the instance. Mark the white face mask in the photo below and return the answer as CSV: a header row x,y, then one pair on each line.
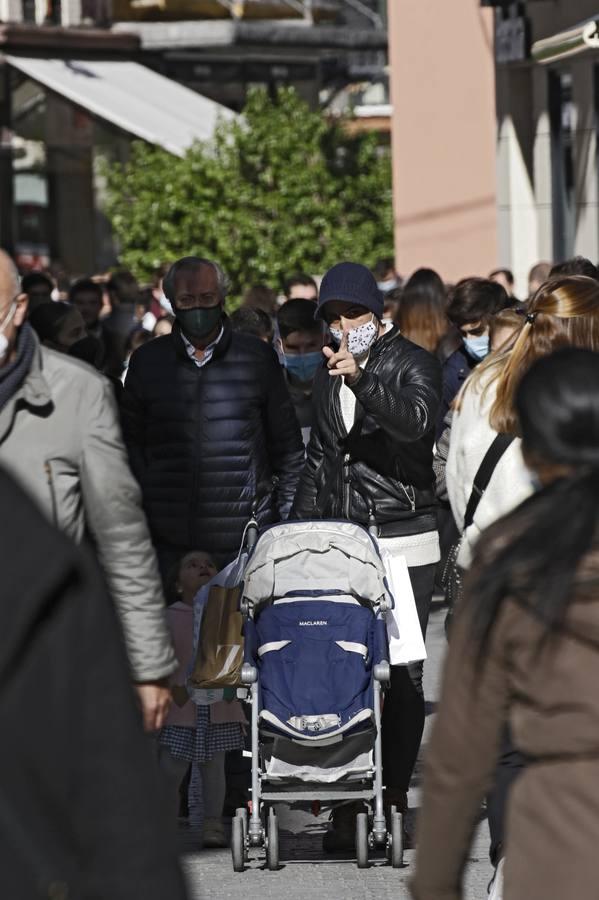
x,y
388,285
4,345
360,339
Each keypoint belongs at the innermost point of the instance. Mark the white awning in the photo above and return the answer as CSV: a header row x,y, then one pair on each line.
x,y
131,97
577,39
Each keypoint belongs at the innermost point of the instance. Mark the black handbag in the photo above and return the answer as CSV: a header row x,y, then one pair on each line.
x,y
452,578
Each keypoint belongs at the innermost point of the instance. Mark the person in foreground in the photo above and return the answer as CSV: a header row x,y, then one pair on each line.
x,y
83,809
525,647
60,439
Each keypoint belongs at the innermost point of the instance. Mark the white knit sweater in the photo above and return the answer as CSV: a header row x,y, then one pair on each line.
x,y
471,437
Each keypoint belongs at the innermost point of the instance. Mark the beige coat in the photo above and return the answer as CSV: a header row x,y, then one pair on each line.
x,y
551,698
61,440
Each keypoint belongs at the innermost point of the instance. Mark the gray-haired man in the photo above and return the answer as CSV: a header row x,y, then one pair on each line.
x,y
208,422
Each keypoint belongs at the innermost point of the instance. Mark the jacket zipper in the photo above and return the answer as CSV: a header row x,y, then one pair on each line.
x,y
410,495
195,476
346,485
50,479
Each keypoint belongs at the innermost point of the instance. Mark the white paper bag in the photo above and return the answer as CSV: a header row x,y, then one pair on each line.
x,y
406,644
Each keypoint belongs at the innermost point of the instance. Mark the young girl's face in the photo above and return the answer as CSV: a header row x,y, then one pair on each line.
x,y
196,569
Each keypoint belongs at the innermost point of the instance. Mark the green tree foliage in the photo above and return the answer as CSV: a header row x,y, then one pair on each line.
x,y
280,190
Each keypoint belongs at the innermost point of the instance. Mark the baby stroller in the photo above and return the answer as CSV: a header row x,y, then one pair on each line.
x,y
315,661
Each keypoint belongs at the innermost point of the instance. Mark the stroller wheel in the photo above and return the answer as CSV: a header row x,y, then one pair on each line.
x,y
272,842
242,814
362,840
396,840
238,844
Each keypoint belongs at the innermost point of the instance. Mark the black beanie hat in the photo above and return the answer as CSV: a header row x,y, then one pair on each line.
x,y
351,283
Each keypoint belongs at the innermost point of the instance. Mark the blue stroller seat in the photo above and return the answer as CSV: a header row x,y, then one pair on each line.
x,y
315,663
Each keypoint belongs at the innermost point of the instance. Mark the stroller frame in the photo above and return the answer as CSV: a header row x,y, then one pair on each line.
x,y
250,832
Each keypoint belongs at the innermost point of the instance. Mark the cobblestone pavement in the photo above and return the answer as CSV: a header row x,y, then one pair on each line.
x,y
305,872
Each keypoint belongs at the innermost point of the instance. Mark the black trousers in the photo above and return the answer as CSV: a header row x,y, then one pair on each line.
x,y
510,764
403,710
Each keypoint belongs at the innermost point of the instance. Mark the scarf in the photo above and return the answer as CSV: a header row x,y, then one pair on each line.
x,y
13,375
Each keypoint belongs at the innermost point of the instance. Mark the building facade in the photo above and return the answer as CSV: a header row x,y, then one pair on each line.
x,y
443,137
547,90
495,134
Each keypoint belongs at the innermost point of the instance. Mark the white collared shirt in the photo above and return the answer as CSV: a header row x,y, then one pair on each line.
x,y
208,352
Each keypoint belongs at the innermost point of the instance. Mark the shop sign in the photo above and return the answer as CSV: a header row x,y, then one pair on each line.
x,y
512,42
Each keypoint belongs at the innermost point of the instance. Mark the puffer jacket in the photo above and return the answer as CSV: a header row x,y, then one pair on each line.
x,y
60,438
204,441
385,462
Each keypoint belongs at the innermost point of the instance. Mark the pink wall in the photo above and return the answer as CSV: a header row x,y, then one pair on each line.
x,y
443,133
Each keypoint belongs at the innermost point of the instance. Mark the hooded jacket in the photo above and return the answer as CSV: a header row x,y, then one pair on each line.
x,y
548,694
385,461
60,438
205,441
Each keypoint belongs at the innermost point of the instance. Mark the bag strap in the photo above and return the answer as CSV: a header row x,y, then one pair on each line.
x,y
484,474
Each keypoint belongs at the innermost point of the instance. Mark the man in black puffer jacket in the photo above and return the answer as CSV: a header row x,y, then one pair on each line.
x,y
371,453
208,423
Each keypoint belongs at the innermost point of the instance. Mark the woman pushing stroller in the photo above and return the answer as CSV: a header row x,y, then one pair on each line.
x,y
370,455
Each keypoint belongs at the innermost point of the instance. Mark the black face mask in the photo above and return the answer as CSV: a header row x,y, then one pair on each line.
x,y
199,322
89,350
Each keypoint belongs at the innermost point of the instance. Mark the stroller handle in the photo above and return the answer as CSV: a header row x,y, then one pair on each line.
x,y
264,490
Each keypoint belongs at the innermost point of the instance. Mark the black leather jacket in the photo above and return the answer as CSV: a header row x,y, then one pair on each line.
x,y
385,463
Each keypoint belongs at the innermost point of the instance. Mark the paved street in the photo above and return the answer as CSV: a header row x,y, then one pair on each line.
x,y
305,873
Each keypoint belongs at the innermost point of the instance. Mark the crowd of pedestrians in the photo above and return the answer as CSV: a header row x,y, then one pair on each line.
x,y
148,424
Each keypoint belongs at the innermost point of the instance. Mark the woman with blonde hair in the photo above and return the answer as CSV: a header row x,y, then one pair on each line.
x,y
563,313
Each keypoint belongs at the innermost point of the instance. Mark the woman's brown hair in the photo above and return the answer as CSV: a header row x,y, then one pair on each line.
x,y
422,319
563,313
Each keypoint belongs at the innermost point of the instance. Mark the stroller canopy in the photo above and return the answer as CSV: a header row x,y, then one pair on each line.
x,y
312,559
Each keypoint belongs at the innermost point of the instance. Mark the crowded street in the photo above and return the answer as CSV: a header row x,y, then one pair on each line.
x,y
299,450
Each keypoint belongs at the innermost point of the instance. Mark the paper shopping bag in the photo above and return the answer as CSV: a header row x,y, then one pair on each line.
x,y
219,654
406,643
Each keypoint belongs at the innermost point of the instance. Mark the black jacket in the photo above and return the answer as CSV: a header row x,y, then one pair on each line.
x,y
82,802
203,441
456,369
386,460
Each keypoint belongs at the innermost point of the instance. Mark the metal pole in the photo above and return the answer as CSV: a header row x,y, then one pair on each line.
x,y
255,829
7,240
379,822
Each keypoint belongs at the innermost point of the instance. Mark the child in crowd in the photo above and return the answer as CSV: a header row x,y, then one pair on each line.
x,y
196,734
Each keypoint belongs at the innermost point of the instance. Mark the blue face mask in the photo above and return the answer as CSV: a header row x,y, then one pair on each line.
x,y
303,366
477,347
